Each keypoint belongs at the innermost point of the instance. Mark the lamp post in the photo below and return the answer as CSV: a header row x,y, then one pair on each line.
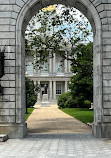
x,y
2,57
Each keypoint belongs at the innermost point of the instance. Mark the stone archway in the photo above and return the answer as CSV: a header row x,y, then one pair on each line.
x,y
12,111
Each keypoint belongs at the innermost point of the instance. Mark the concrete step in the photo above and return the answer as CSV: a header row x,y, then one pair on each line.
x,y
3,137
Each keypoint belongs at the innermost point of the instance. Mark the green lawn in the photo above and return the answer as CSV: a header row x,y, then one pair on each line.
x,y
82,114
29,113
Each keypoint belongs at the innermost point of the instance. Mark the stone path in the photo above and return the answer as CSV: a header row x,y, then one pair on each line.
x,y
52,120
65,145
56,146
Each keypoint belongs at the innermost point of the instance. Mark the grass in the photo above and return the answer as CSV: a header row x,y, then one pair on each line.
x,y
82,114
29,113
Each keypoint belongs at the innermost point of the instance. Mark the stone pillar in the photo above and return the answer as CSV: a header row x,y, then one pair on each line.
x,y
66,86
38,97
54,90
50,90
54,63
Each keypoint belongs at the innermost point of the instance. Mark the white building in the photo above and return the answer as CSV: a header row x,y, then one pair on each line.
x,y
52,78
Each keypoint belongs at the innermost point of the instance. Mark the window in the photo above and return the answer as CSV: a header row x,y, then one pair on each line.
x,y
59,64
59,68
58,89
44,67
30,68
43,85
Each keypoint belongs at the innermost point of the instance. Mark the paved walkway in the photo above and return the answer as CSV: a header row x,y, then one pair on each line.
x,y
52,120
70,145
56,146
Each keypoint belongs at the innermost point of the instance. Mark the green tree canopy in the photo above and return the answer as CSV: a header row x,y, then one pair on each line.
x,y
81,83
56,32
31,97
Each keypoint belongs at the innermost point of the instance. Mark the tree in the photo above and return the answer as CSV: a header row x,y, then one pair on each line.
x,y
31,97
63,32
81,84
56,32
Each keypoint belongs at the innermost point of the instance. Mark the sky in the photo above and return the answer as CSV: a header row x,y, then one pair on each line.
x,y
59,9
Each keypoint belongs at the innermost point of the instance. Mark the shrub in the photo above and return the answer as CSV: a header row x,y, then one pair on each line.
x,y
31,100
78,101
87,104
30,93
62,99
66,100
70,103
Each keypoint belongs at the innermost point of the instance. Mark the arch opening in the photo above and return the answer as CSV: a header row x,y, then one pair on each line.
x,y
27,12
47,73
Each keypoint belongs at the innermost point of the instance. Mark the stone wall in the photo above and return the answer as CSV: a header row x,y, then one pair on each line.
x,y
14,17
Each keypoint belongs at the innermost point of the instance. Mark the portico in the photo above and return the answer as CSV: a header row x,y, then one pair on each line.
x,y
55,87
55,76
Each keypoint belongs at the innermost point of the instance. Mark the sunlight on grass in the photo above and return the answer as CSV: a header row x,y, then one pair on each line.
x,y
30,110
82,114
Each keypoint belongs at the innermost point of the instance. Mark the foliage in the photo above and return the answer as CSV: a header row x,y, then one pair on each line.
x,y
31,97
30,110
87,103
81,84
49,30
27,48
70,103
62,99
63,32
66,101
83,114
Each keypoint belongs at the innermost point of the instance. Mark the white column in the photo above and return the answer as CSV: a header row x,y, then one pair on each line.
x,y
66,86
65,65
69,66
38,98
50,90
34,83
54,90
50,64
38,69
54,63
34,67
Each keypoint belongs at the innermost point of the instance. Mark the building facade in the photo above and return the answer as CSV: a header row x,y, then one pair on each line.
x,y
52,77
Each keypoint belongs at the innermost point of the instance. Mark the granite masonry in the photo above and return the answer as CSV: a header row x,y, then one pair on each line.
x,y
14,17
